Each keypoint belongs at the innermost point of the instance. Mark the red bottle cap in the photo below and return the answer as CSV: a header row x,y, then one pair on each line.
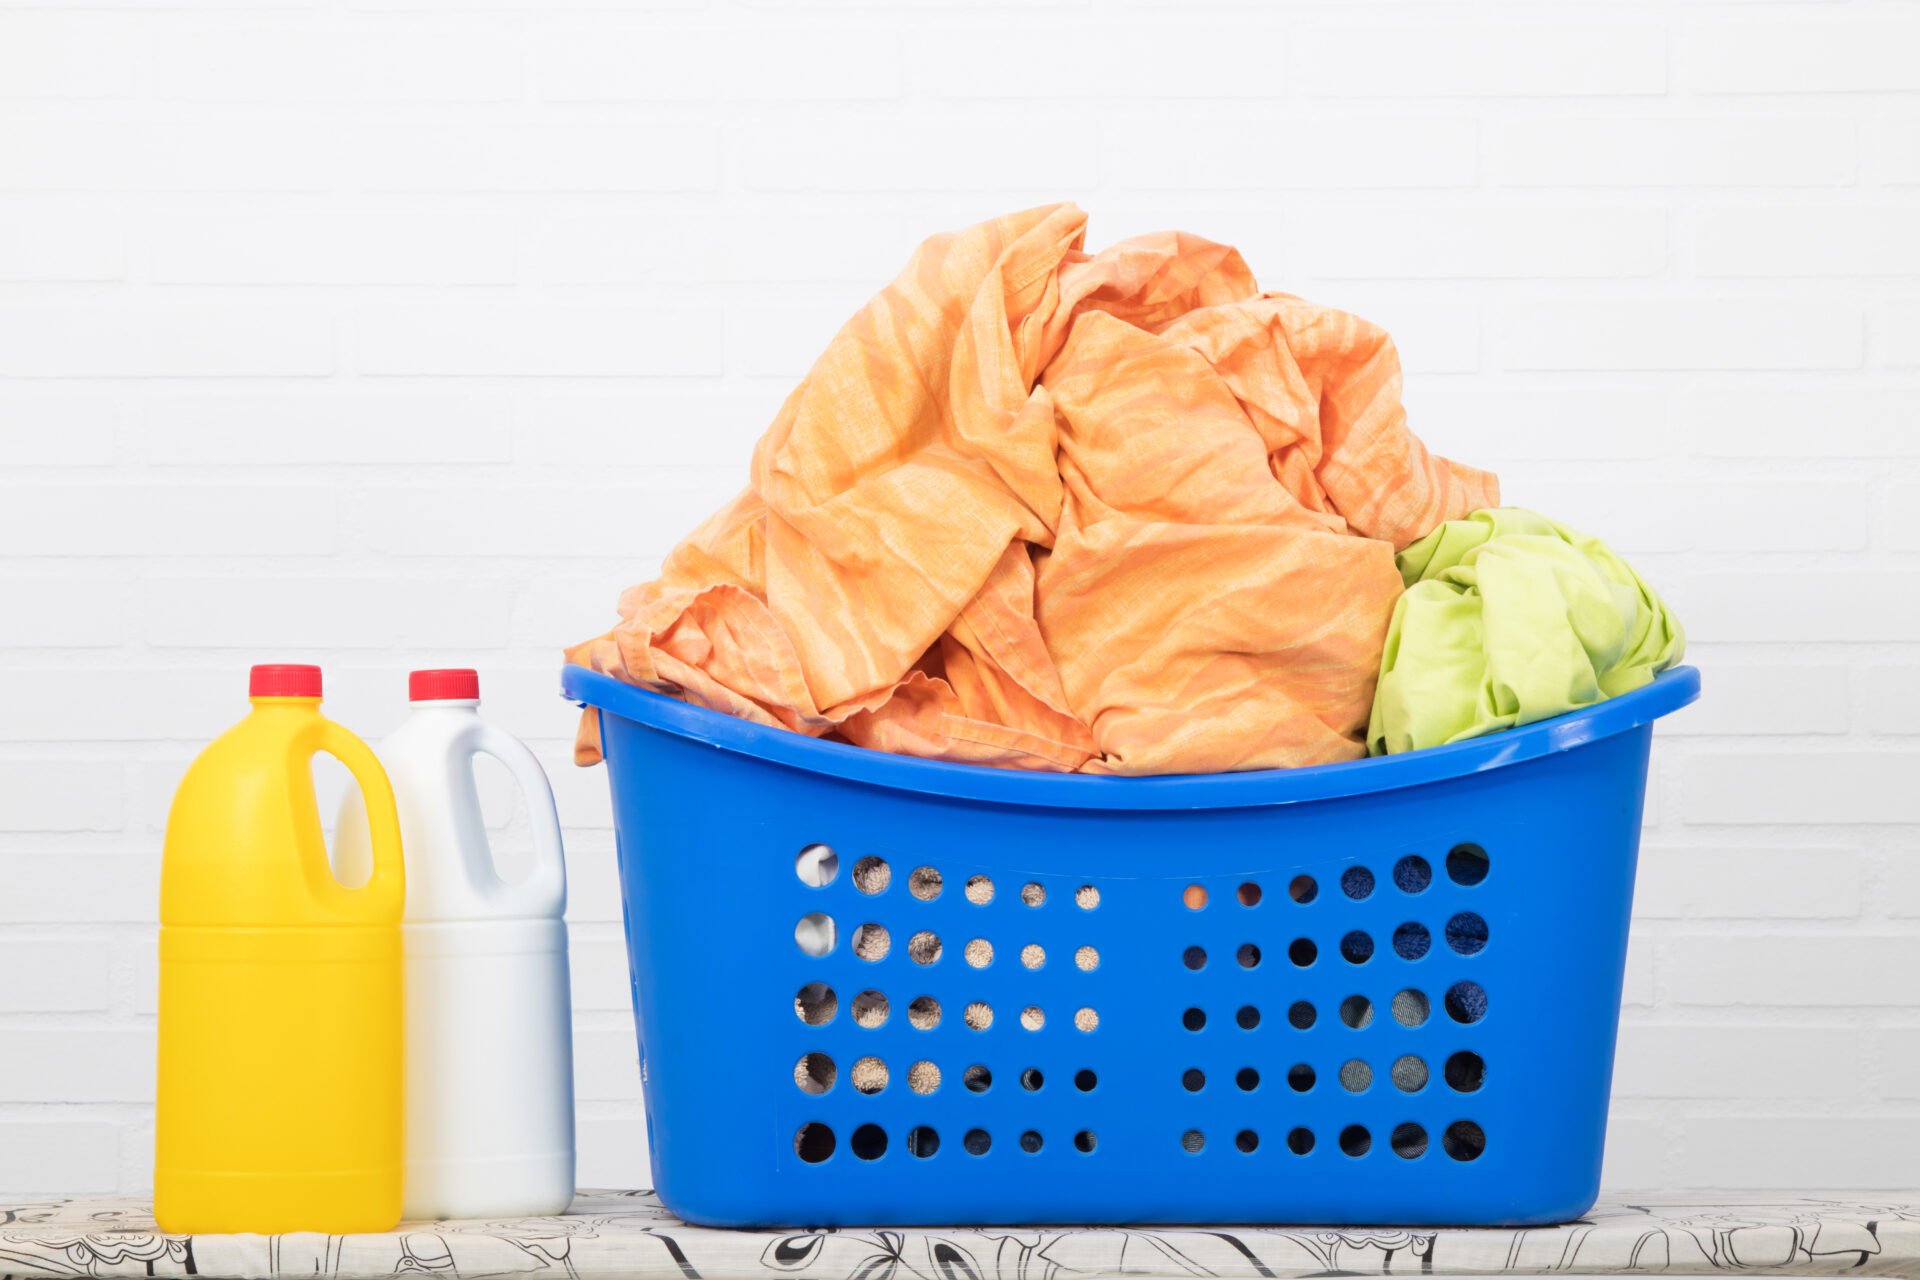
x,y
444,684
283,680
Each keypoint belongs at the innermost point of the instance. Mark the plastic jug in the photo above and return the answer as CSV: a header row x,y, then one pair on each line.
x,y
280,1074
489,1021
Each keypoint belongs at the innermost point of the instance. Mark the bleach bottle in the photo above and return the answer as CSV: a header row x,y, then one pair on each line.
x,y
280,1077
489,1022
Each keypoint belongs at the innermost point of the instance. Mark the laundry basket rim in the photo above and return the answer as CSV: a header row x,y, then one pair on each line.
x,y
1668,692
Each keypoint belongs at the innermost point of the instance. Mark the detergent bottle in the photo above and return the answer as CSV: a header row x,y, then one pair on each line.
x,y
489,1021
281,1031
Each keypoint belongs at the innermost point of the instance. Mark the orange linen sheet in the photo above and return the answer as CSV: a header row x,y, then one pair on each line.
x,y
1114,513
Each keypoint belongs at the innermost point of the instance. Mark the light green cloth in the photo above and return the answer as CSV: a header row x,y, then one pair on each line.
x,y
1509,618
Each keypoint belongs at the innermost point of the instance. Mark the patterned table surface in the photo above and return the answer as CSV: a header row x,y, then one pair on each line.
x,y
627,1234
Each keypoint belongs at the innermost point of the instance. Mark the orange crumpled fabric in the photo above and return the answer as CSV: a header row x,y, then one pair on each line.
x,y
1113,513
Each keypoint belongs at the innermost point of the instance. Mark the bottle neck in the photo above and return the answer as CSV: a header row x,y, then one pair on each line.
x,y
429,706
282,707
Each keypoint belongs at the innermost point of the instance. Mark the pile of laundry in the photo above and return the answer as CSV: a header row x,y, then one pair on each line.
x,y
1122,513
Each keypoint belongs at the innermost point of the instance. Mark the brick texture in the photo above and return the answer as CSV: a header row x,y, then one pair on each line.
x,y
398,335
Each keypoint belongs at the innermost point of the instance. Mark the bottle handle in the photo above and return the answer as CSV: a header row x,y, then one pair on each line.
x,y
545,888
386,885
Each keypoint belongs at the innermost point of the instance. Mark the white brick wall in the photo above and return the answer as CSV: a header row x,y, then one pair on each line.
x,y
384,334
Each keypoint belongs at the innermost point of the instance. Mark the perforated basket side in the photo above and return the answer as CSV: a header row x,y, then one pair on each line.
x,y
1458,1079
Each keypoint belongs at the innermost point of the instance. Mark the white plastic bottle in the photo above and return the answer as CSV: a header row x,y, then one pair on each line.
x,y
489,1016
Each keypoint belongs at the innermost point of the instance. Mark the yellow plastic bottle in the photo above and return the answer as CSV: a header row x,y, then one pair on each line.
x,y
281,1027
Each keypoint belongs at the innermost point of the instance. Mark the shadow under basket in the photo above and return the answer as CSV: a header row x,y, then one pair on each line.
x,y
875,990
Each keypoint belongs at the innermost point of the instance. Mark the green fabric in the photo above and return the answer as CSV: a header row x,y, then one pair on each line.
x,y
1509,618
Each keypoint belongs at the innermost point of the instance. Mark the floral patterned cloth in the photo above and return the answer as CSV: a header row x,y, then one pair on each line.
x,y
628,1235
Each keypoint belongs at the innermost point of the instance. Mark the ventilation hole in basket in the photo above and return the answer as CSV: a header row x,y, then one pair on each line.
x,y
1412,874
977,1079
1466,1072
1194,1019
923,1014
869,1075
1193,1142
814,1073
1033,955
1466,1002
870,1009
1355,1076
1247,1140
1300,1077
1195,896
871,942
1085,1020
1467,933
814,933
1248,1017
924,883
979,890
1086,897
1084,1142
872,875
816,865
1464,1140
978,952
1300,1141
1357,946
1033,894
978,1015
1302,952
1086,959
1247,1078
924,947
1193,1080
1411,940
1248,894
1356,1012
1409,1141
1031,1141
815,1004
1248,955
977,1142
1410,1008
813,1142
1303,889
922,1141
1467,864
869,1142
1194,958
1356,883
1085,1080
1409,1073
1032,1080
1355,1140
923,1076
1301,1015
1033,1017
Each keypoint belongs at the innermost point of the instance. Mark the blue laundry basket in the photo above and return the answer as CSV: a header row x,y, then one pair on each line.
x,y
875,990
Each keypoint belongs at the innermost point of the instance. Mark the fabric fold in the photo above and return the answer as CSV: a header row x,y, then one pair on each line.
x,y
1509,618
1038,508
